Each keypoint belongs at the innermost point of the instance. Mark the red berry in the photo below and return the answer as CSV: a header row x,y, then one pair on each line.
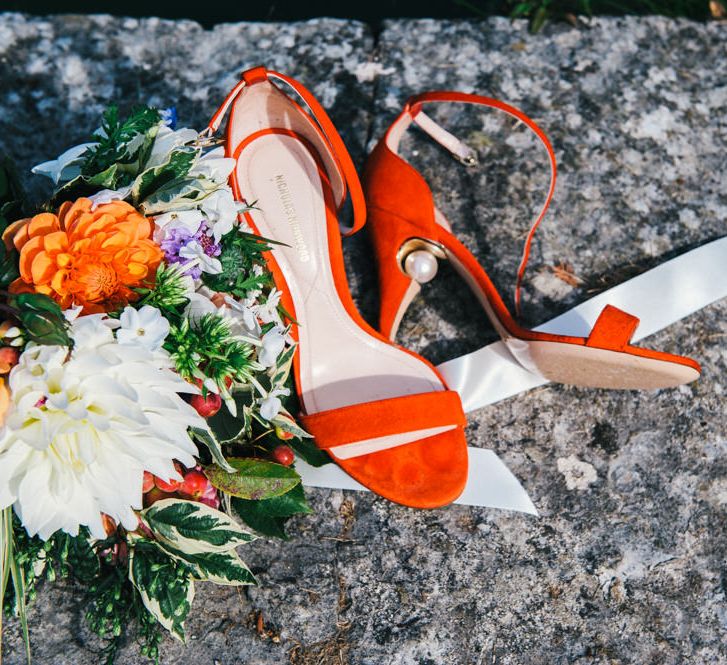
x,y
155,495
283,455
8,358
167,486
206,406
147,483
195,484
282,434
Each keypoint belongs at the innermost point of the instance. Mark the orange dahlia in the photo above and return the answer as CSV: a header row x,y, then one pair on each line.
x,y
80,256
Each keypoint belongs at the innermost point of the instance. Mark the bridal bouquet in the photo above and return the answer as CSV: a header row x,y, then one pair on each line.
x,y
144,365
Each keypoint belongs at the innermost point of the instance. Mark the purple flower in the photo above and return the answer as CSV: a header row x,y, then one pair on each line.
x,y
179,237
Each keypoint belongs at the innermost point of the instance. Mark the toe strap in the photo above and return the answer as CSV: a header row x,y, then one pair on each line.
x,y
613,329
361,429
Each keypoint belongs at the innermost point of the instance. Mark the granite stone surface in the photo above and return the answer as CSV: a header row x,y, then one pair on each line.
x,y
628,561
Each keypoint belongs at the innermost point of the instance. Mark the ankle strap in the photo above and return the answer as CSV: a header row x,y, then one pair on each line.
x,y
413,113
344,164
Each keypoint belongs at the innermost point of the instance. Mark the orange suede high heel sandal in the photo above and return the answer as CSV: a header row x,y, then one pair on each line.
x,y
383,414
410,235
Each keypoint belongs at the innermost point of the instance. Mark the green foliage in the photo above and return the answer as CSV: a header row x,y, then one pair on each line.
x,y
205,347
269,516
11,209
119,144
164,584
539,12
122,149
169,293
41,318
240,252
165,176
253,479
194,527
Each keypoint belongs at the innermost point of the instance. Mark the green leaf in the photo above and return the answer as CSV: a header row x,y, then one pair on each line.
x,y
172,171
210,440
42,318
218,567
226,427
254,479
310,452
166,587
193,527
287,424
8,266
107,179
269,516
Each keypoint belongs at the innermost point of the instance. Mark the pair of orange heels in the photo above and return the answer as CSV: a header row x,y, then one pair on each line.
x,y
383,413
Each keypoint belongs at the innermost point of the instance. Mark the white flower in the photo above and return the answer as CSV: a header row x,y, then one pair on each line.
x,y
66,167
81,431
214,166
194,250
108,195
270,405
188,220
145,326
221,211
242,314
268,311
273,345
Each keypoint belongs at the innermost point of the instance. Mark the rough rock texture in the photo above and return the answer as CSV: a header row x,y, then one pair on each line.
x,y
627,562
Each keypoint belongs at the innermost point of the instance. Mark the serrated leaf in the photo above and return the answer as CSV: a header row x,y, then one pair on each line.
x,y
163,593
193,527
269,516
224,568
213,445
253,479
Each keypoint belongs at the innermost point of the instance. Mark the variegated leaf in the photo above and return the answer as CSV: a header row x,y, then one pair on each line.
x,y
224,568
210,440
169,603
191,526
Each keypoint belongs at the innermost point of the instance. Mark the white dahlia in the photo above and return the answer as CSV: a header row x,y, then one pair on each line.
x,y
82,429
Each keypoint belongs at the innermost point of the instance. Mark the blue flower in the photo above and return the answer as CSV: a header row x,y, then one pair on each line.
x,y
169,116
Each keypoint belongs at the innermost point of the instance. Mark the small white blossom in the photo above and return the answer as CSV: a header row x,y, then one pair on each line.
x,y
221,211
270,405
145,326
188,220
193,250
273,345
214,166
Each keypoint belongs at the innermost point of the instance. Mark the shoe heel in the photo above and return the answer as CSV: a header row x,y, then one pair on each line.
x,y
405,262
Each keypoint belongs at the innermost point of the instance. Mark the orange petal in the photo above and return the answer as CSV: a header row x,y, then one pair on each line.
x,y
31,249
117,209
71,214
137,270
12,230
56,241
43,268
43,224
58,283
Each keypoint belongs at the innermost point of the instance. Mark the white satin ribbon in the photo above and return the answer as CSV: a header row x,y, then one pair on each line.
x,y
659,297
489,482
